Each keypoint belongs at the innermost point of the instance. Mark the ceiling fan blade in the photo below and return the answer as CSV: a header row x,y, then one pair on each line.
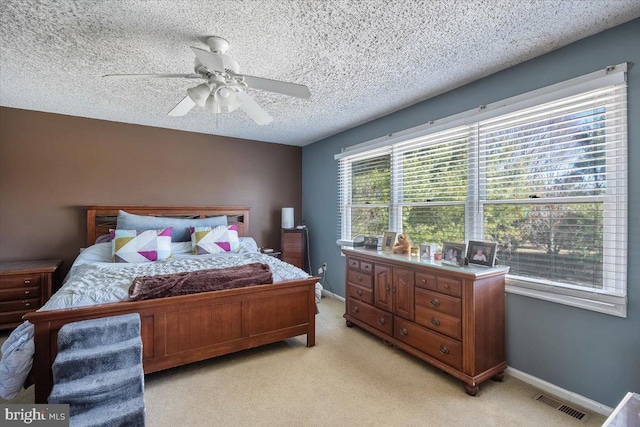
x,y
152,76
277,86
209,59
183,107
253,110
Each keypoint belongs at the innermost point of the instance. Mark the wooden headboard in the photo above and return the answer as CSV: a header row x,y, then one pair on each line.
x,y
101,218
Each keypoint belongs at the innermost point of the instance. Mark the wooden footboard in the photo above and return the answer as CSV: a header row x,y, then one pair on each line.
x,y
181,330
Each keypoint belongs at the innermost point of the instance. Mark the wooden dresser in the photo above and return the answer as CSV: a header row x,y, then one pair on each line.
x,y
451,317
25,286
294,247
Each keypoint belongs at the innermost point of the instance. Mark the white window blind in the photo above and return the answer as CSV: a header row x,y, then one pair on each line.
x,y
543,174
364,185
431,184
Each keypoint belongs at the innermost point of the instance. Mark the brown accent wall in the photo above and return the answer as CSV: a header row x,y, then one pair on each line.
x,y
51,166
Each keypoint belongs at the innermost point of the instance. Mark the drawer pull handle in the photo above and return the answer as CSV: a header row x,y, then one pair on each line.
x,y
381,321
27,304
446,286
388,290
394,290
359,278
358,292
354,309
404,332
26,282
435,321
444,349
27,292
435,302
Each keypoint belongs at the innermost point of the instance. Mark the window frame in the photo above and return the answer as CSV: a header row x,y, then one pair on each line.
x,y
607,300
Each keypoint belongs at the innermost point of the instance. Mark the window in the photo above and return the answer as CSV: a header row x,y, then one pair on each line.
x,y
544,175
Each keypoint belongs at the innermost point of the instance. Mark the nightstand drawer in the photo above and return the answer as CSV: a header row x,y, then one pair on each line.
x,y
20,305
20,280
13,318
12,294
24,287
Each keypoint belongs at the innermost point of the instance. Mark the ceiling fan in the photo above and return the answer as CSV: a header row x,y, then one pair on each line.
x,y
224,86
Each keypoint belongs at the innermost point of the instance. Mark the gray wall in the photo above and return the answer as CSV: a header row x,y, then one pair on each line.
x,y
592,354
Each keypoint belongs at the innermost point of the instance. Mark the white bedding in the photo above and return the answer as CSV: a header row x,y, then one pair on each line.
x,y
93,279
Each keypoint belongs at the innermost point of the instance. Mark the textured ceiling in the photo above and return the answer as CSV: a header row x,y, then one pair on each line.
x,y
360,59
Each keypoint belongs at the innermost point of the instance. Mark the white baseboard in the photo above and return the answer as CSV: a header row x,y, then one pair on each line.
x,y
561,393
326,293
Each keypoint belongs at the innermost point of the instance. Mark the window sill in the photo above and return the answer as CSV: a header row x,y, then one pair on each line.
x,y
601,303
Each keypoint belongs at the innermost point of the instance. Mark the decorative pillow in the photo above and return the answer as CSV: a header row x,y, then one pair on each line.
x,y
180,226
141,245
213,240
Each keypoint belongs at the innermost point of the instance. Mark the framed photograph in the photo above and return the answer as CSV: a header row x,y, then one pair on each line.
x,y
453,253
388,240
428,250
482,253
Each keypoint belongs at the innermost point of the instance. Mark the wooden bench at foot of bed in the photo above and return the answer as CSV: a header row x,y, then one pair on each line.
x,y
180,330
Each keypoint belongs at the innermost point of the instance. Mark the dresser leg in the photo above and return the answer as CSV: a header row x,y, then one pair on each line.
x,y
498,377
471,390
349,323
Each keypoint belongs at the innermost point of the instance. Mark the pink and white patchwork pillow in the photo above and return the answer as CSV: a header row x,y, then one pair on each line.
x,y
213,240
141,246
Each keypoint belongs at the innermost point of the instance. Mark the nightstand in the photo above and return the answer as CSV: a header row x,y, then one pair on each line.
x,y
294,247
25,286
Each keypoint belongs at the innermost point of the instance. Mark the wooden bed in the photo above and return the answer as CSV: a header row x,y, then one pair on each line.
x,y
180,330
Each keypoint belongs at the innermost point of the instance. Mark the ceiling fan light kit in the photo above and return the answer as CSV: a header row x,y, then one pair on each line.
x,y
224,85
199,94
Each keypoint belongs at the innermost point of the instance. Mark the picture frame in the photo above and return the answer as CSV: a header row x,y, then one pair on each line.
x,y
453,253
428,250
388,240
482,253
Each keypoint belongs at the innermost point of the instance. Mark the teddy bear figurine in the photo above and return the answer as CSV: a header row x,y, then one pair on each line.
x,y
403,245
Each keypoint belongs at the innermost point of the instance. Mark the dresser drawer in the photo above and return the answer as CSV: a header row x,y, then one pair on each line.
x,y
360,293
356,264
361,279
439,284
379,319
19,293
19,280
20,305
438,346
447,325
426,300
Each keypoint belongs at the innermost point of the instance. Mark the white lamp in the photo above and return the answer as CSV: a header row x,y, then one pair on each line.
x,y
287,217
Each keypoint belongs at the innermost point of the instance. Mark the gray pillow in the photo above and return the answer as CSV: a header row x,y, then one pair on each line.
x,y
181,233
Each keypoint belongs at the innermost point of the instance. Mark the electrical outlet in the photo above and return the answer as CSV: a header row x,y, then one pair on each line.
x,y
323,268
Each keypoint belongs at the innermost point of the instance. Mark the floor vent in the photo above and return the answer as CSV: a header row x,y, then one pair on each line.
x,y
562,407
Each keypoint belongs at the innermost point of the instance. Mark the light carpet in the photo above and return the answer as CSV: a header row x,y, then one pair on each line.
x,y
349,378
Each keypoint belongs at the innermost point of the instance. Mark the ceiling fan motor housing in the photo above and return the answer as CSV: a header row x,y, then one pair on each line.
x,y
217,44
